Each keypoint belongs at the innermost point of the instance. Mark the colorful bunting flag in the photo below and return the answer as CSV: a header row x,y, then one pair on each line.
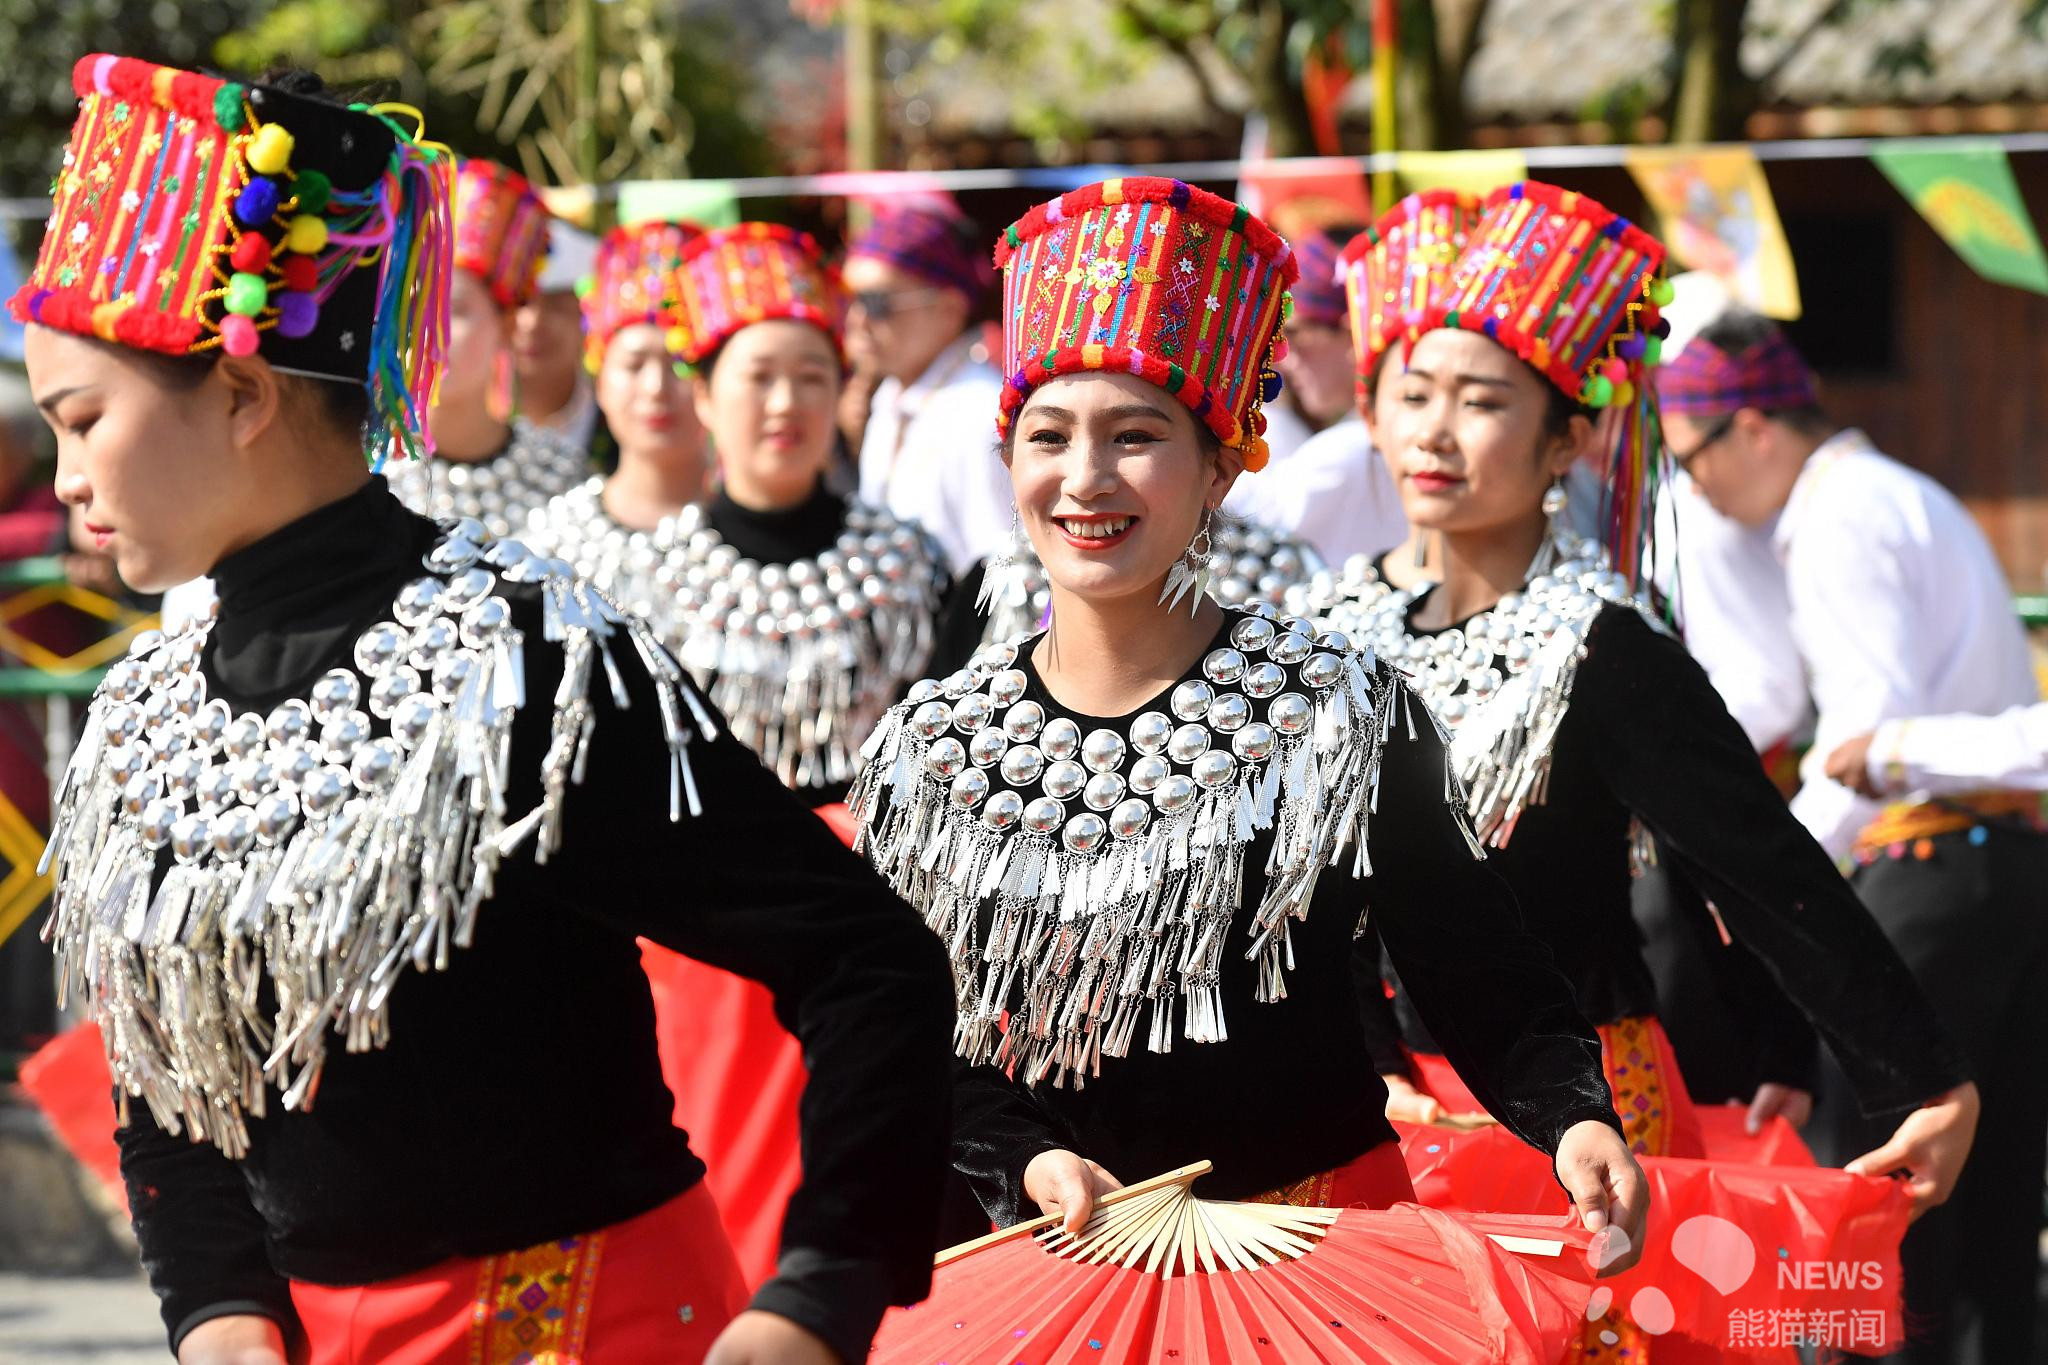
x,y
1475,172
1716,214
1964,188
707,203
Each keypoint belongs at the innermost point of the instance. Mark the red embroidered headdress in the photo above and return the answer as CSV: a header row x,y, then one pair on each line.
x,y
501,229
753,272
1154,278
637,278
194,213
1573,289
1391,269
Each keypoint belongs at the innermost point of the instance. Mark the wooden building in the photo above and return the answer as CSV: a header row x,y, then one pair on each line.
x,y
1943,369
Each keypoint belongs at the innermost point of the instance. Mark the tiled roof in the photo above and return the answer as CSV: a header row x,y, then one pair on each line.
x,y
1546,59
1541,60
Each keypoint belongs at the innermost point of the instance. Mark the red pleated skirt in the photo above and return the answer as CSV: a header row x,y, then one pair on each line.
x,y
657,1287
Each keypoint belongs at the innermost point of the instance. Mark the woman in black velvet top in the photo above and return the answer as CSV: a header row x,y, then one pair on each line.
x,y
1578,723
802,612
1149,834
351,876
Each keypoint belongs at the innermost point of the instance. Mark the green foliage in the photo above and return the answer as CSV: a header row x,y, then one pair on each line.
x,y
43,40
670,88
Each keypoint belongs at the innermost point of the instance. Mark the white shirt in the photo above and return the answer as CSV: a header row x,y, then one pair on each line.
x,y
1735,612
930,455
1333,492
1898,609
1285,431
1954,754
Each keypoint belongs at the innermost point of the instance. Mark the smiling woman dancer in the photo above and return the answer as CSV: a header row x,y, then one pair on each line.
x,y
1576,721
1148,835
804,613
350,875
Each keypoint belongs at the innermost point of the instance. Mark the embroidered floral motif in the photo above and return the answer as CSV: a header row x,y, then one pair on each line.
x,y
533,1306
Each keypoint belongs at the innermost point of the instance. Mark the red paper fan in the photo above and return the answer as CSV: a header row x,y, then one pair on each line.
x,y
1750,1258
1159,1275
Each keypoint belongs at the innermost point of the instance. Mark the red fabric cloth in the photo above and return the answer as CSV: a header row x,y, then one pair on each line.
x,y
737,1076
69,1081
1657,1114
1736,1252
659,1287
32,524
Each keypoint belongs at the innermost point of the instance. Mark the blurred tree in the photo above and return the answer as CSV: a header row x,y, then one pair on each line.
x,y
660,97
42,41
494,77
1268,45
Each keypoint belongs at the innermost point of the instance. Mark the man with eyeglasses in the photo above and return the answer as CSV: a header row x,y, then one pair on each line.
x,y
1898,608
928,452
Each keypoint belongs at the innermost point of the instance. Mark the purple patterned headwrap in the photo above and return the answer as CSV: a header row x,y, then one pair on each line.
x,y
1705,381
944,248
1319,293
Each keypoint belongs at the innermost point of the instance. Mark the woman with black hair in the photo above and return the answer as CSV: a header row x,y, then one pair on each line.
x,y
492,465
804,613
1148,833
1577,722
350,875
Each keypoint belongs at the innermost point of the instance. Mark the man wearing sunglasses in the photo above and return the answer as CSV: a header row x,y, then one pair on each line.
x,y
1898,608
928,451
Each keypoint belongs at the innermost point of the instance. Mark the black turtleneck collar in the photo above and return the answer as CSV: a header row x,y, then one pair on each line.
x,y
288,601
780,537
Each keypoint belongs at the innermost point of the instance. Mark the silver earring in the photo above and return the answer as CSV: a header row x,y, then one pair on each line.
x,y
1555,501
1189,576
1001,566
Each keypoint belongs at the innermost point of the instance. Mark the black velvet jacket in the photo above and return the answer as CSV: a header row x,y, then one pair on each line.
x,y
1292,1091
1648,737
521,1098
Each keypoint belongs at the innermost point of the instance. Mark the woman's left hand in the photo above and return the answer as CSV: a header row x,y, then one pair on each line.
x,y
1606,1186
755,1338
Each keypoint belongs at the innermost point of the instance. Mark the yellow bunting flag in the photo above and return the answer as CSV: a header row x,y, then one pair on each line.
x,y
1716,214
1475,172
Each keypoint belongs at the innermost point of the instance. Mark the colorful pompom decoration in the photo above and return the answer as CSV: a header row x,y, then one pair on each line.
x,y
257,203
297,314
1661,292
270,151
1599,391
301,273
227,107
252,254
307,235
247,295
313,189
237,335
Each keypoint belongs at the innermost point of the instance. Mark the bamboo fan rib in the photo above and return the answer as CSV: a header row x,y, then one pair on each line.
x,y
1167,1231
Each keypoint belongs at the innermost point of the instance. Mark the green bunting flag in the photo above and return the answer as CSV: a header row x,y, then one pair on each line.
x,y
1965,190
707,203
